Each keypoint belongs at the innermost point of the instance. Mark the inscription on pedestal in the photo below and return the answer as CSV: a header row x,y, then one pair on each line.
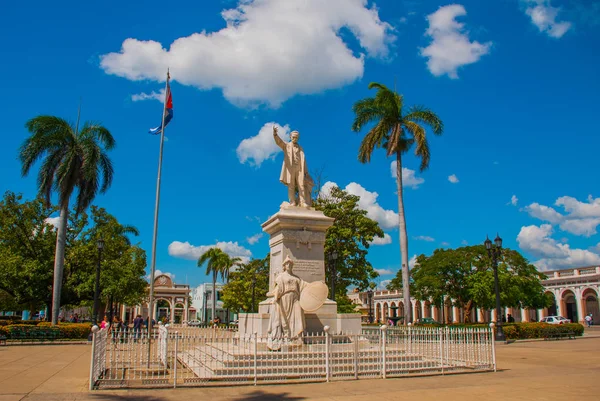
x,y
309,267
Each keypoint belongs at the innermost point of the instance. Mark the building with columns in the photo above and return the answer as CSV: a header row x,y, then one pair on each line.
x,y
575,292
171,303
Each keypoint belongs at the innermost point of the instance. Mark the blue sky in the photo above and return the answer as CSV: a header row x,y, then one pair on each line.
x,y
515,82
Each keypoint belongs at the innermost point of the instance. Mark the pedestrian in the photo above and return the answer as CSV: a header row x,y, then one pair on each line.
x,y
510,318
503,318
588,320
105,323
137,326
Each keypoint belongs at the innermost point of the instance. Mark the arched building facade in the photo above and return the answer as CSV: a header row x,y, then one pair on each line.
x,y
576,293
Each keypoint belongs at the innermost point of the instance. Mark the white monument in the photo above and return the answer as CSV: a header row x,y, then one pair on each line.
x,y
297,291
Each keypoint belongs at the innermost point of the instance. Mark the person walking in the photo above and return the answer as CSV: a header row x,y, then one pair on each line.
x,y
588,320
137,326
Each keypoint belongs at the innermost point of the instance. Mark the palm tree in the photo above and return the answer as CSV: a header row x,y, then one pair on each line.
x,y
396,132
215,260
72,159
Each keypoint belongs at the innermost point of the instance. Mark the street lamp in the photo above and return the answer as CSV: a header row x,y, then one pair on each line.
x,y
494,252
332,258
370,300
100,246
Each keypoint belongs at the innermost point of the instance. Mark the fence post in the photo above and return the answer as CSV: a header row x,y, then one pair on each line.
x,y
327,367
410,337
92,379
175,361
255,358
441,338
356,345
493,342
383,348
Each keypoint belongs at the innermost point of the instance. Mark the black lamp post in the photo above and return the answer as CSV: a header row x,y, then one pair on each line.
x,y
370,300
100,246
332,263
494,252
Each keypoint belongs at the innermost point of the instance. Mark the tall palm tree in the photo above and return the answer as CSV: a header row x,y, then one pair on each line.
x,y
72,160
215,260
396,130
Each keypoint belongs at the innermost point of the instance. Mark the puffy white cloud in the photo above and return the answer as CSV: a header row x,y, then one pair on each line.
x,y
424,238
387,239
368,202
384,271
412,262
185,250
464,242
444,243
269,51
254,239
54,221
383,285
160,96
409,179
582,218
450,47
261,147
453,179
513,200
552,254
159,273
544,16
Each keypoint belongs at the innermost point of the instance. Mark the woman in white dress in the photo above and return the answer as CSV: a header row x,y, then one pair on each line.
x,y
286,323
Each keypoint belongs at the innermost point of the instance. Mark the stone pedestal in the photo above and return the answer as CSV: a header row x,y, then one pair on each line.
x,y
300,234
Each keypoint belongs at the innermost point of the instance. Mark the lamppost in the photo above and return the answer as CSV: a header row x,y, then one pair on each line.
x,y
370,300
205,305
494,252
332,259
100,246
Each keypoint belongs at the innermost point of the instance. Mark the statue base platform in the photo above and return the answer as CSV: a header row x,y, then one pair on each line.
x,y
339,323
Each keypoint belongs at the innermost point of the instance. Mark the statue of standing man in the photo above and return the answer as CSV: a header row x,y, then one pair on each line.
x,y
294,173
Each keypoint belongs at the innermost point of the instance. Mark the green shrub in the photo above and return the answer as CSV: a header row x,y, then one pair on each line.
x,y
45,329
520,331
3,331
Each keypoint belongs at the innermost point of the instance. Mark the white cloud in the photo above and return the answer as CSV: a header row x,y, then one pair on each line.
x,y
444,243
160,96
383,284
464,242
384,271
544,16
551,253
54,221
424,238
387,239
254,239
582,218
185,250
450,48
269,51
261,147
412,262
453,179
158,273
409,179
513,200
368,202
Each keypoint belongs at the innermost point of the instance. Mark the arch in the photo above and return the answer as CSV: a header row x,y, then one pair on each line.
x,y
163,309
386,311
553,309
568,301
418,310
589,303
378,312
427,310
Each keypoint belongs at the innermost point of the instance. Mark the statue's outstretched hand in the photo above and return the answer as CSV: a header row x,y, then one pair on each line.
x,y
274,131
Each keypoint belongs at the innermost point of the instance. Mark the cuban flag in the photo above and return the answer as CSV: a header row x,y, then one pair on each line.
x,y
168,111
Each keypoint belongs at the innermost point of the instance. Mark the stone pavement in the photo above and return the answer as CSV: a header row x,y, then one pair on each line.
x,y
545,370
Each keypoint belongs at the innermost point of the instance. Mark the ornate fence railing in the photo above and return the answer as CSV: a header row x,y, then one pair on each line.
x,y
183,356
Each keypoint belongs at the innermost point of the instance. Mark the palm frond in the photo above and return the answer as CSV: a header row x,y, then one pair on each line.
x,y
420,114
420,138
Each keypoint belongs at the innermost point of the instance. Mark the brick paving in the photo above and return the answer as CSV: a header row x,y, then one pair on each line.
x,y
543,370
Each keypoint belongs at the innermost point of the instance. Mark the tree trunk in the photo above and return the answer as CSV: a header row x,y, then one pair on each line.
x,y
59,262
214,296
403,243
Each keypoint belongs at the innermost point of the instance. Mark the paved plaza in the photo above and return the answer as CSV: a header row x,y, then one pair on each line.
x,y
539,370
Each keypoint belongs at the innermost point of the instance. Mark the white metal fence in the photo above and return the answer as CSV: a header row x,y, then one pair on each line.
x,y
178,357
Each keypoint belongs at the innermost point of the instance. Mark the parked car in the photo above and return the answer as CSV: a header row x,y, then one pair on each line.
x,y
193,322
426,320
555,320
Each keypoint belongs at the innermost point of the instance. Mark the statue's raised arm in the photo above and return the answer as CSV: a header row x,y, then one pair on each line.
x,y
278,140
294,171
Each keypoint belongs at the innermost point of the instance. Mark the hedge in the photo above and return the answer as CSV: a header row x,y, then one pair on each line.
x,y
73,330
519,331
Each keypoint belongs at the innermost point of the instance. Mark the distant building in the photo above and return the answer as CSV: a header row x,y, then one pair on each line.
x,y
202,303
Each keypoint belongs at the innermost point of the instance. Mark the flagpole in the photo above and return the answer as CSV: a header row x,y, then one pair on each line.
x,y
155,233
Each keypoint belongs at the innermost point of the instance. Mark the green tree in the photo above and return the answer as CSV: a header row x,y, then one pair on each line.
x,y
216,261
72,160
27,242
465,275
350,236
248,286
395,131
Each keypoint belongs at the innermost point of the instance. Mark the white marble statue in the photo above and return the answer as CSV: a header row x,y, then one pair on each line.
x,y
286,323
294,173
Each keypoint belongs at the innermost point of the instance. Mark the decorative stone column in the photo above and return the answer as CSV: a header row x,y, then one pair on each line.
x,y
578,304
524,315
480,315
455,314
